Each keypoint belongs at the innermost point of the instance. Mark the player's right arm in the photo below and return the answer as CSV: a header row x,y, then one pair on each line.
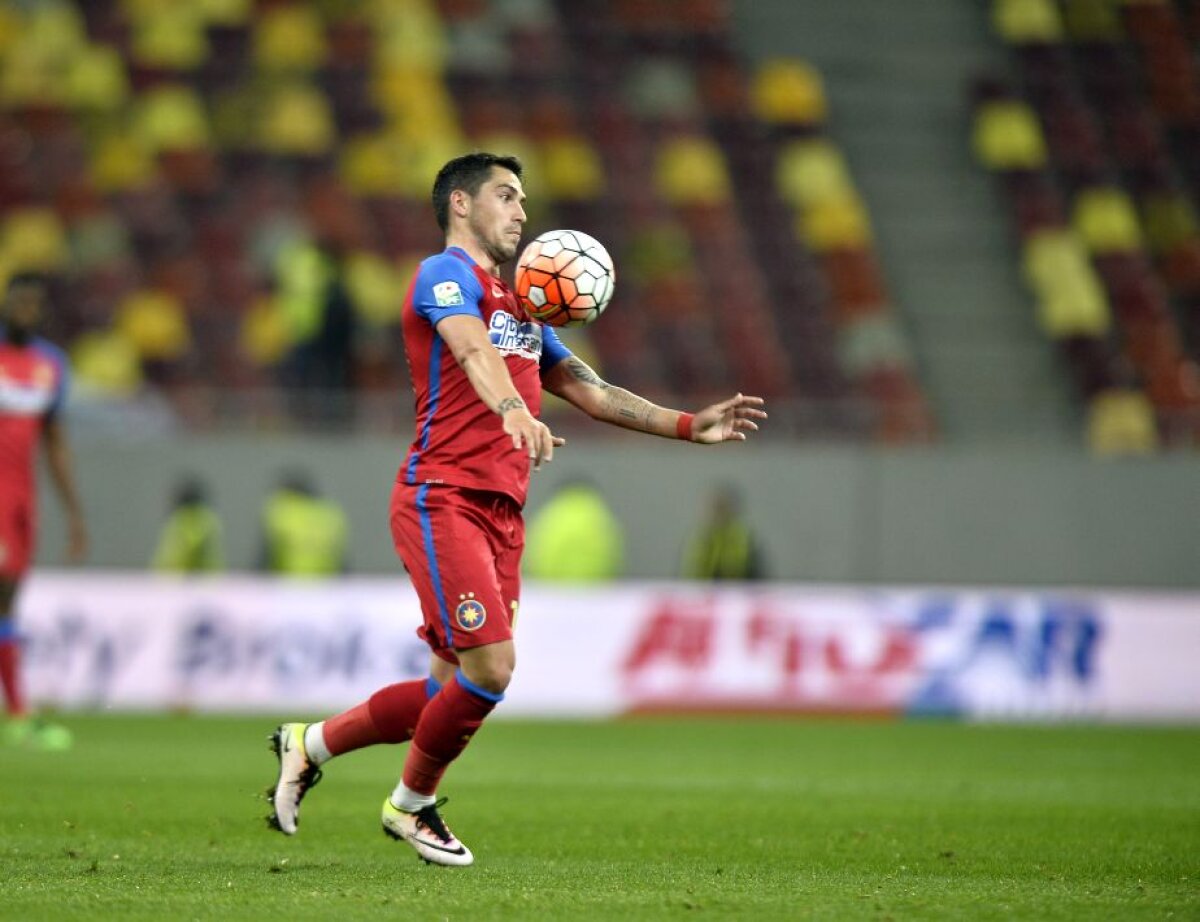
x,y
468,341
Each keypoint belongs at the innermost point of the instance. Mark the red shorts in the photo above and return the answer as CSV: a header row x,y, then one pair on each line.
x,y
462,548
16,535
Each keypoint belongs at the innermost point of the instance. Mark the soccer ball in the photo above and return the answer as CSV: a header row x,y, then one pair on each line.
x,y
565,278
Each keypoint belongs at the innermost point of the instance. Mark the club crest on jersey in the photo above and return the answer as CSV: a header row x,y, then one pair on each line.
x,y
470,613
512,337
447,294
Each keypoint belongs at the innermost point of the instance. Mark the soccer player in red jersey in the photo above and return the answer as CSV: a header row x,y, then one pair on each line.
x,y
33,383
478,364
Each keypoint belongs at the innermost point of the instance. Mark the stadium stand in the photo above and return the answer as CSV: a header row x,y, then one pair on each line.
x,y
194,173
1094,145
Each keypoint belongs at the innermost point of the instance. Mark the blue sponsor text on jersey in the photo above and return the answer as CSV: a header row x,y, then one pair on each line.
x,y
510,335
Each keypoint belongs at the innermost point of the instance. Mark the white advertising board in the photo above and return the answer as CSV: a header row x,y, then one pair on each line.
x,y
132,641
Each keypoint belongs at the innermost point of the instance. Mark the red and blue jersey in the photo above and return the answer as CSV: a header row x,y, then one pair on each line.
x,y
33,385
459,440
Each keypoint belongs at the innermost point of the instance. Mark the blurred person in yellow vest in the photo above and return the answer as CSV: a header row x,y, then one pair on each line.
x,y
304,534
724,547
191,540
574,537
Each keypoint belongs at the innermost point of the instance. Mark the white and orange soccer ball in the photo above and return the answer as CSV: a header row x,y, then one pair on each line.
x,y
565,278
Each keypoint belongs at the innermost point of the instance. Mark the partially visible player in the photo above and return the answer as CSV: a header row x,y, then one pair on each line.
x,y
478,363
33,384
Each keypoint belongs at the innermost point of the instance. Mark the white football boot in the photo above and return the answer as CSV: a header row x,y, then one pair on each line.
x,y
296,776
428,833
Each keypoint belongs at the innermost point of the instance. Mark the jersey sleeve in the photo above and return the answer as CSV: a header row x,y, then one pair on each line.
x,y
446,286
553,350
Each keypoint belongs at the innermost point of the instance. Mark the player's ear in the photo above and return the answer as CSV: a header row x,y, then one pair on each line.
x,y
460,202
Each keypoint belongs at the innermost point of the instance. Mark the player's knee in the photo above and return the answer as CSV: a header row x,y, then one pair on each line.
x,y
492,677
491,671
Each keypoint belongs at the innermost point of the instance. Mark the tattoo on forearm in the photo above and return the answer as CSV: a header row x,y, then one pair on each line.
x,y
629,407
580,372
509,403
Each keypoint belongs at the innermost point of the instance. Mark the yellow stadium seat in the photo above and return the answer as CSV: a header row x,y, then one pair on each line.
x,y
172,39
691,170
1008,136
1027,21
12,26
120,162
96,80
787,91
265,334
833,224
1071,298
290,38
55,31
811,171
416,102
171,118
33,239
368,167
572,170
225,12
408,35
106,363
1105,218
1169,220
1121,422
1093,20
31,78
298,121
155,325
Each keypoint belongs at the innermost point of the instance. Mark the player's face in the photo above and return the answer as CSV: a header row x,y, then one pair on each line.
x,y
497,216
23,309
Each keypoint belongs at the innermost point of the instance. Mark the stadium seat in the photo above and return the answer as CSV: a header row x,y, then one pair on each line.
x,y
836,224
171,117
1027,21
290,39
1071,298
810,171
789,93
691,170
155,325
1008,136
170,38
1121,422
33,239
1106,220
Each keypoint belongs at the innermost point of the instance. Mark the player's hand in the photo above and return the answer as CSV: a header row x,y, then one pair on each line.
x,y
531,436
77,540
728,420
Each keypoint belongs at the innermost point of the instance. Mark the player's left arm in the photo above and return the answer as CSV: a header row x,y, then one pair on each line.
x,y
729,420
58,459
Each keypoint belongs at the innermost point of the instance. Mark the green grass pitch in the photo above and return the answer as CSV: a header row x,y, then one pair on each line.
x,y
161,818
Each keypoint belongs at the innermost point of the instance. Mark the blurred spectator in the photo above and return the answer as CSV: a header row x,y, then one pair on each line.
x,y
320,316
191,539
303,533
574,537
724,548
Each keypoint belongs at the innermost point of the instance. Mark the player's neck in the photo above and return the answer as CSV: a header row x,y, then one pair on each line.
x,y
468,244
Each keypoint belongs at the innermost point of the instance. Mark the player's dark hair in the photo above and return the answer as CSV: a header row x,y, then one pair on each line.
x,y
468,172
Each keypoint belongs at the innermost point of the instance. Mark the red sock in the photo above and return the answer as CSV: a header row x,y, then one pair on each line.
x,y
446,726
10,668
388,716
